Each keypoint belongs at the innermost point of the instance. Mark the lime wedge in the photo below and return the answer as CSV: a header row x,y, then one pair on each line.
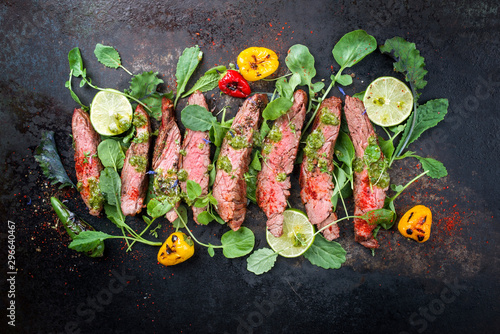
x,y
388,101
110,113
298,235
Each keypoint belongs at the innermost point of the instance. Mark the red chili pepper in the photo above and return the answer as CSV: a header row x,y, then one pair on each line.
x,y
233,84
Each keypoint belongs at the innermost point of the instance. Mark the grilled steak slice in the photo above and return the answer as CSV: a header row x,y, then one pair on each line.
x,y
230,188
194,163
134,177
317,167
87,164
166,158
278,154
368,194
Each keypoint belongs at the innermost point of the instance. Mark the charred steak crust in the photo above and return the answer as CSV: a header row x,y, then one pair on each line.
x,y
87,164
134,177
230,186
316,181
166,158
367,197
196,159
279,152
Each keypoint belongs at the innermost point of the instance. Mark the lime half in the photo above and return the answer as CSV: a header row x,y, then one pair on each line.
x,y
110,113
297,234
388,101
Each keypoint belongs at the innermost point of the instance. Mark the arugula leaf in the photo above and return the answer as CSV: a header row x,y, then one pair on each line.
x,y
255,164
408,60
436,168
383,217
210,250
344,149
276,108
325,254
144,84
205,217
300,60
197,118
157,208
360,95
48,158
261,261
182,216
353,47
193,190
108,56
344,79
186,65
387,147
111,154
115,215
76,62
286,88
207,82
237,243
85,241
429,115
111,185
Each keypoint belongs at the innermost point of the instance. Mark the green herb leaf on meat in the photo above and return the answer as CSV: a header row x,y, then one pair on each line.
x,y
325,254
157,208
197,118
48,158
186,65
237,243
261,261
276,108
193,189
111,154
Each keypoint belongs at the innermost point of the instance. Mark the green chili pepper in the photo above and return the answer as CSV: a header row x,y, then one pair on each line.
x,y
74,225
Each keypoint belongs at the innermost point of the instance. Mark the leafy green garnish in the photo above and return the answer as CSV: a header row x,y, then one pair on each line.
x,y
186,65
276,108
209,81
325,254
352,48
261,261
237,243
109,57
408,60
197,118
111,154
48,158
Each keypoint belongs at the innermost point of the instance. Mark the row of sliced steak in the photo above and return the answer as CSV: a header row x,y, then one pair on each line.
x,y
273,181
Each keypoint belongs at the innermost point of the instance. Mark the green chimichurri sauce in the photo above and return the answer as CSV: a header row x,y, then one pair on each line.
x,y
225,164
275,134
139,163
139,120
328,117
96,199
281,177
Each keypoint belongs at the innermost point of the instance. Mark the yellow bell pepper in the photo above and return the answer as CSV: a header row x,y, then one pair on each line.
x,y
416,223
176,249
257,63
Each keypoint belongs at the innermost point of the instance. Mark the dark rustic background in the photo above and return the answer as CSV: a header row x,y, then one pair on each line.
x,y
447,285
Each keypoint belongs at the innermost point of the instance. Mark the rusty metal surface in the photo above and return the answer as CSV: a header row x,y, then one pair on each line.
x,y
447,285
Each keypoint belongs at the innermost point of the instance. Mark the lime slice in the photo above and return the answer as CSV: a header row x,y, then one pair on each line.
x,y
297,235
388,101
110,113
